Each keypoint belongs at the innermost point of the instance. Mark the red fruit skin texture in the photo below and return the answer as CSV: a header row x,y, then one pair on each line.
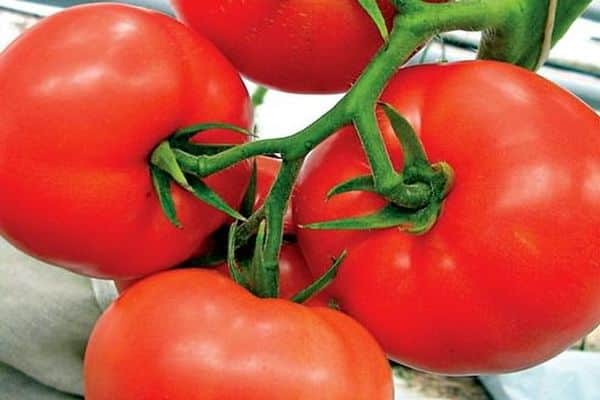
x,y
303,46
195,335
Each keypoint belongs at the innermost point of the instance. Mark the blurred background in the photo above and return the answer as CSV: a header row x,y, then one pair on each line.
x,y
574,64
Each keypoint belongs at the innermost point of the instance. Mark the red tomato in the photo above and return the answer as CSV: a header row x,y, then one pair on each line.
x,y
509,275
193,334
297,45
87,95
267,169
294,275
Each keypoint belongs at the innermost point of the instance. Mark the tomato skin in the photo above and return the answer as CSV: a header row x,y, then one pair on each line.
x,y
87,95
193,334
299,46
508,277
294,275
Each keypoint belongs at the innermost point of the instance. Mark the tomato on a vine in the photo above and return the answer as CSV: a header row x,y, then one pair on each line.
x,y
87,95
508,276
194,334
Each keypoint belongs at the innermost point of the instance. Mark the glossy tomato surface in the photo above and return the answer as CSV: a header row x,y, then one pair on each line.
x,y
509,276
87,94
195,335
318,46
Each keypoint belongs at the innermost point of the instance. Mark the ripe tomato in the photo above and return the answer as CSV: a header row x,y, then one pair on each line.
x,y
298,45
194,334
87,94
294,275
509,275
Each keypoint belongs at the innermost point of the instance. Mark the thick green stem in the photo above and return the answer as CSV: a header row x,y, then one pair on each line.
x,y
274,209
387,181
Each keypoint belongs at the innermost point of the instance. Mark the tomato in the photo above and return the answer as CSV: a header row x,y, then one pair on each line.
x,y
294,275
509,275
194,334
316,46
87,94
266,172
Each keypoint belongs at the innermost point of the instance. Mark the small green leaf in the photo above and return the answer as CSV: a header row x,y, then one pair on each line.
x,y
250,195
388,217
162,185
322,282
372,8
164,158
236,273
258,97
257,265
189,131
412,148
364,183
210,197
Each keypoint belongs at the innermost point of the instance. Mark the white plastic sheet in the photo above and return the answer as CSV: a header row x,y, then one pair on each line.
x,y
572,375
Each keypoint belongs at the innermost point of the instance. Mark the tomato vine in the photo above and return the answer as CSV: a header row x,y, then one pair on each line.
x,y
516,31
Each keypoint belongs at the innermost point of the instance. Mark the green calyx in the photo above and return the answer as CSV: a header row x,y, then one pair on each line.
x,y
166,167
416,196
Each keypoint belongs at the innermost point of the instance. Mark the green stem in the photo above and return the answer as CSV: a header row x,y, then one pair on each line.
x,y
387,181
416,22
274,208
249,227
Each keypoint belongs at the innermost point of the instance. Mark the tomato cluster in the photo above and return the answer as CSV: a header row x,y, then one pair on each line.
x,y
505,278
